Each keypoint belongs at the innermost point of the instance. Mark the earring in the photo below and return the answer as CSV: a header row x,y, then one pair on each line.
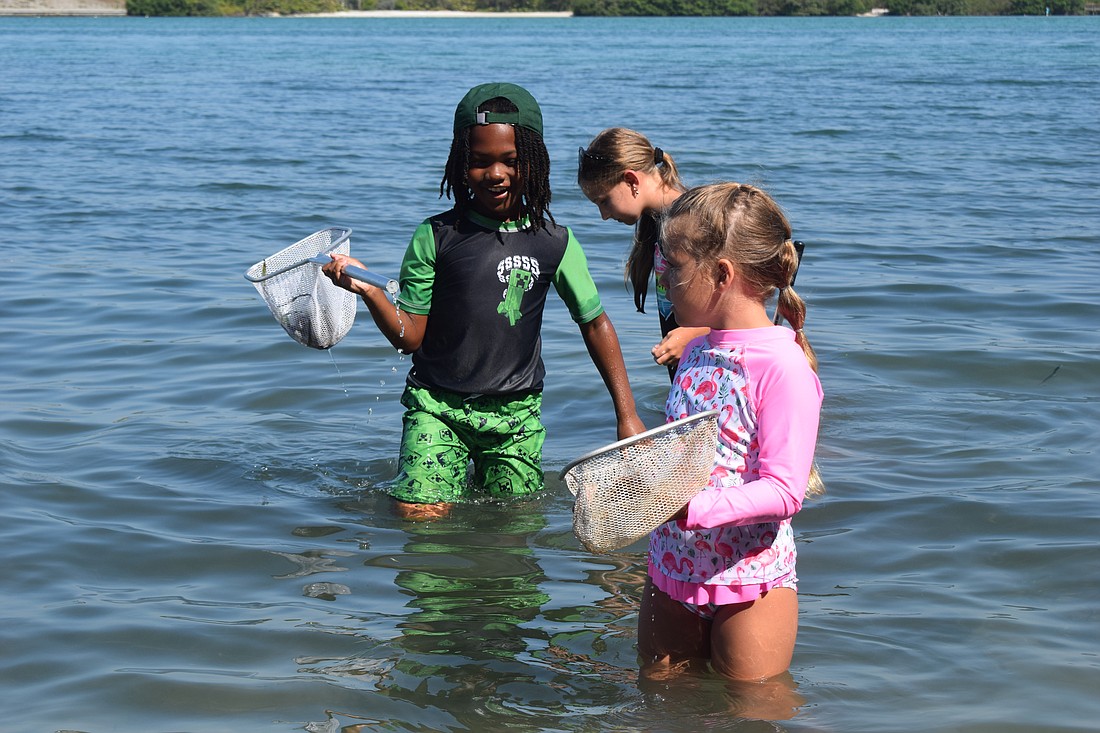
x,y
634,190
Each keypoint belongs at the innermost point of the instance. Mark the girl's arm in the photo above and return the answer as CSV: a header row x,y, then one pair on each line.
x,y
603,346
788,410
402,329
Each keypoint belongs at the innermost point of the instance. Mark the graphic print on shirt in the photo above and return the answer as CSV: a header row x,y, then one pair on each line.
x,y
520,273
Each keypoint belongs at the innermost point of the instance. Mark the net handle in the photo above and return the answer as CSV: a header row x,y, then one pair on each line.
x,y
390,285
654,432
337,236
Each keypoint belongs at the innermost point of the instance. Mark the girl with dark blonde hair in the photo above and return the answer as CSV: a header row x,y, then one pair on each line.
x,y
633,182
721,584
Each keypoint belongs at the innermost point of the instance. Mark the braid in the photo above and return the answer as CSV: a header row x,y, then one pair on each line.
x,y
792,308
789,306
534,161
454,173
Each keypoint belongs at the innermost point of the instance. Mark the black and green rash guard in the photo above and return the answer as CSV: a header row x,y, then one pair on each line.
x,y
483,286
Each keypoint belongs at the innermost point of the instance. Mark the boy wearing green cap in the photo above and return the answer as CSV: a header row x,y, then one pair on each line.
x,y
474,283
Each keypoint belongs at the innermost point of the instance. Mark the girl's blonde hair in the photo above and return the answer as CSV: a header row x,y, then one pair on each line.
x,y
601,166
744,225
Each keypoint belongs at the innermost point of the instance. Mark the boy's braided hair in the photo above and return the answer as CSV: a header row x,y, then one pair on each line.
x,y
533,161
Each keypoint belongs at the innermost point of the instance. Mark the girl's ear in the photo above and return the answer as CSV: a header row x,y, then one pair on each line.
x,y
631,178
725,274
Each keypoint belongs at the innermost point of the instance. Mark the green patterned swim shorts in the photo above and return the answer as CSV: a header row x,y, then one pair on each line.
x,y
442,433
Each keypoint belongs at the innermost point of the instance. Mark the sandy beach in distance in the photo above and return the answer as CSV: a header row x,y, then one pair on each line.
x,y
62,7
431,14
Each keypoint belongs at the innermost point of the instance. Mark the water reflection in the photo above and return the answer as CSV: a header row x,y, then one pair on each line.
x,y
464,624
472,583
711,696
474,592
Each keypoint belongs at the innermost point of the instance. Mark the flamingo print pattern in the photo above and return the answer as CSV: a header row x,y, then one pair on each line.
x,y
710,378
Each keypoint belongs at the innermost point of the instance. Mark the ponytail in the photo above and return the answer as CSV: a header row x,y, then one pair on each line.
x,y
792,308
601,165
789,306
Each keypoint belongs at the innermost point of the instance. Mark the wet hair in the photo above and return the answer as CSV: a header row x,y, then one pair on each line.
x,y
531,156
601,166
744,225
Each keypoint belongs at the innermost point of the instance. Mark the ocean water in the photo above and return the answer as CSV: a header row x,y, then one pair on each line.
x,y
193,517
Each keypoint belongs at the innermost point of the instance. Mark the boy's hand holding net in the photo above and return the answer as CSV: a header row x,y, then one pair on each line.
x,y
303,300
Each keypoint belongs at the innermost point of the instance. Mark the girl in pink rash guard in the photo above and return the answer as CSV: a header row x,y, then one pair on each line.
x,y
722,585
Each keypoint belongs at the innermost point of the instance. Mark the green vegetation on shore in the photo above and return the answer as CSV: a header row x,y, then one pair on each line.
x,y
825,7
295,7
616,7
231,7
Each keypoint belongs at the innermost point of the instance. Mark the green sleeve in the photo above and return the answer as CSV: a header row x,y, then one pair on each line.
x,y
418,271
574,283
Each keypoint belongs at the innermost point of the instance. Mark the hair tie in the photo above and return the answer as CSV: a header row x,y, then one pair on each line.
x,y
658,156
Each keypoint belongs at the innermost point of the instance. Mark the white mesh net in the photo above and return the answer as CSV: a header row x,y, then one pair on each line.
x,y
627,489
309,307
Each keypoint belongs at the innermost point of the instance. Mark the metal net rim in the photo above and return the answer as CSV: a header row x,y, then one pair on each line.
x,y
337,237
312,311
647,435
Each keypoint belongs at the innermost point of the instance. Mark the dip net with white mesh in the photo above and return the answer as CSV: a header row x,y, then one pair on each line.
x,y
627,489
303,300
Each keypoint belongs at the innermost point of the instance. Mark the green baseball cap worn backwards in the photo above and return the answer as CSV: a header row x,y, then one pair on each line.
x,y
528,115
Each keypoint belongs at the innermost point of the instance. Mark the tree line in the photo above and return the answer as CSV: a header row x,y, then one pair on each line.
x,y
823,7
617,8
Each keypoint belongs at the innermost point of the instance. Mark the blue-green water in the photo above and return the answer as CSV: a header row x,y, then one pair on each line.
x,y
177,476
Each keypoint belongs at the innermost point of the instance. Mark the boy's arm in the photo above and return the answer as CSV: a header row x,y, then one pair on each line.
x,y
402,329
603,346
575,286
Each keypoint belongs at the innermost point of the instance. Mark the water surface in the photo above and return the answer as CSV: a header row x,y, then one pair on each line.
x,y
194,514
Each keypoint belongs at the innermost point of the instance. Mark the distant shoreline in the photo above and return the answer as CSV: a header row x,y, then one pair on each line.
x,y
118,7
57,8
430,14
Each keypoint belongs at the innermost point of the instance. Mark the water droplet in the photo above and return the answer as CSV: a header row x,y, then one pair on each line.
x,y
338,372
400,322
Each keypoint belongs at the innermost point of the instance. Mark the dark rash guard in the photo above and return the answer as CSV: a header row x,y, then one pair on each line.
x,y
483,286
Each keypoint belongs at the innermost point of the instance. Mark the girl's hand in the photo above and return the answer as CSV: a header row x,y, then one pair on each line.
x,y
671,348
